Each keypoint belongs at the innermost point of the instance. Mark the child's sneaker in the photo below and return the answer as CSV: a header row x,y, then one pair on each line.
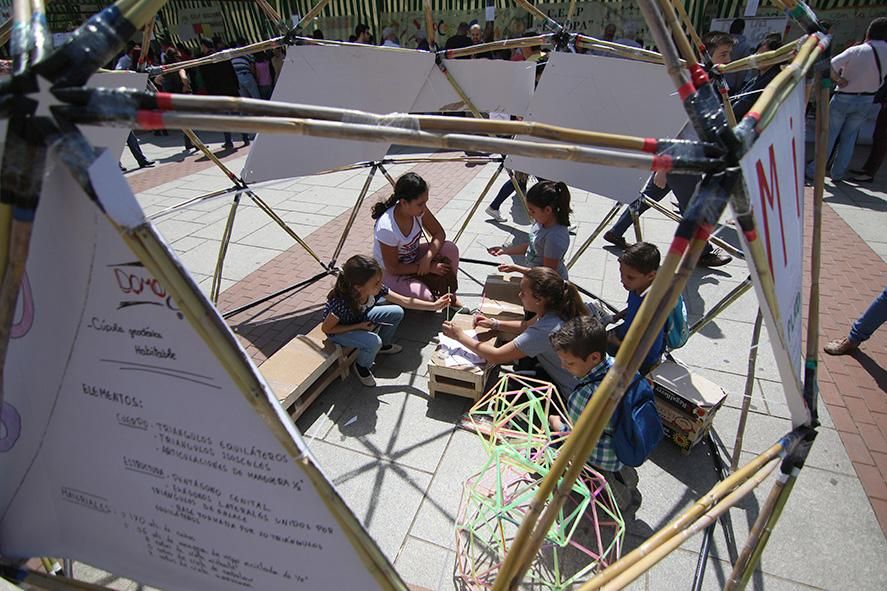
x,y
365,376
390,349
494,213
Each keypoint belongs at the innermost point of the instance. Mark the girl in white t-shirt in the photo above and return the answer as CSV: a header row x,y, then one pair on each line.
x,y
398,246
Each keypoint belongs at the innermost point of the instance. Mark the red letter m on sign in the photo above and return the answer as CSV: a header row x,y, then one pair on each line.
x,y
769,191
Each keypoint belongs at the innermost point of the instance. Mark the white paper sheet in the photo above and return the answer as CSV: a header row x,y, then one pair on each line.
x,y
604,94
126,444
364,78
773,172
455,354
492,85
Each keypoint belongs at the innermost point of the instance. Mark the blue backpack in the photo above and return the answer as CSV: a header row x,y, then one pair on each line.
x,y
638,429
677,330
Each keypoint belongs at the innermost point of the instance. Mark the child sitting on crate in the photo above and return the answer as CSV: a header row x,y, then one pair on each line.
x,y
637,270
362,313
634,429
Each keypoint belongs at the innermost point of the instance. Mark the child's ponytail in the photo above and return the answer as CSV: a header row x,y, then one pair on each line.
x,y
408,187
560,296
552,194
562,204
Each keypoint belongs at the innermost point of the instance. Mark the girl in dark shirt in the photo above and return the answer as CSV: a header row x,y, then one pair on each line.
x,y
362,313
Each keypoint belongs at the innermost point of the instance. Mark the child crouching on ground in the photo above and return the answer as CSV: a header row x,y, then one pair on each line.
x,y
359,304
637,270
581,345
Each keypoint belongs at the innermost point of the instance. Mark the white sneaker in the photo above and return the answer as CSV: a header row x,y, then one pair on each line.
x,y
390,349
365,376
494,213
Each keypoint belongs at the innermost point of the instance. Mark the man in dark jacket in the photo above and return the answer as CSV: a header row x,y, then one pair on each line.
x,y
219,79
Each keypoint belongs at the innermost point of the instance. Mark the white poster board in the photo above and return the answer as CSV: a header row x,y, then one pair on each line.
x,y
363,77
773,173
124,441
492,85
604,94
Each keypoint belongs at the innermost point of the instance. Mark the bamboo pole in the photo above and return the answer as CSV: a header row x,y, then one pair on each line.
x,y
146,45
405,137
269,211
479,200
41,44
528,6
688,24
673,62
312,14
357,204
749,388
5,31
768,102
733,295
758,60
680,38
593,43
705,521
495,46
673,216
387,176
272,15
19,46
432,123
521,194
216,286
571,11
188,202
607,578
600,228
429,24
822,85
219,56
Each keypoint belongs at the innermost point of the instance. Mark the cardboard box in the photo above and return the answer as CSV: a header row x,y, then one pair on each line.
x,y
467,381
503,288
686,402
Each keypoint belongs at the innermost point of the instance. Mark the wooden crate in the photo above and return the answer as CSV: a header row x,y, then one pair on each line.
x,y
303,368
466,381
469,382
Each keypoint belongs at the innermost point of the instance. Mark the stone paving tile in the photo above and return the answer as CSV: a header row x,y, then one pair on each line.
x,y
296,264
852,276
851,387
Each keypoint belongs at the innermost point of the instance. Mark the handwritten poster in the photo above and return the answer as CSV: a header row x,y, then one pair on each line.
x,y
124,441
773,173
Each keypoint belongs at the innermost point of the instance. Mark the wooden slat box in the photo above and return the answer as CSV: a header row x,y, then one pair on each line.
x,y
467,381
303,368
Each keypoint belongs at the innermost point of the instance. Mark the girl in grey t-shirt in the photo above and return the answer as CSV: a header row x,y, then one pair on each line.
x,y
548,203
554,301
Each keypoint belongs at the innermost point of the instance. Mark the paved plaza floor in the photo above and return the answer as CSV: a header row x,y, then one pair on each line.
x,y
397,456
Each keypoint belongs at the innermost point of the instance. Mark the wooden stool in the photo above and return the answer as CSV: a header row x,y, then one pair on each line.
x,y
304,367
468,380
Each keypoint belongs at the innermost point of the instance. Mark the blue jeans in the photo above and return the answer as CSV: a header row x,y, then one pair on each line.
x,y
248,87
872,318
846,115
506,191
683,186
367,342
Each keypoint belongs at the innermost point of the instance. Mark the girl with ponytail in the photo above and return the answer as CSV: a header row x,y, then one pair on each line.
x,y
423,271
548,203
553,300
361,313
